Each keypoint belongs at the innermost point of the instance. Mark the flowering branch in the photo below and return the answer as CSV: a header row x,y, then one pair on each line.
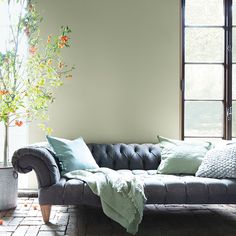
x,y
28,80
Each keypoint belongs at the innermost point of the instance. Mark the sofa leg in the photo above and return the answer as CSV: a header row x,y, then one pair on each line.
x,y
45,210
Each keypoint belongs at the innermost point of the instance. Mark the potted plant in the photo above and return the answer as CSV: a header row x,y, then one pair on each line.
x,y
28,79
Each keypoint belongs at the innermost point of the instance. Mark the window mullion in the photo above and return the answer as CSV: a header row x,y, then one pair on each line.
x,y
182,82
228,71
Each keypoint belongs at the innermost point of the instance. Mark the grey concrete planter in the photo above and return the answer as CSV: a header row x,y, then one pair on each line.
x,y
8,188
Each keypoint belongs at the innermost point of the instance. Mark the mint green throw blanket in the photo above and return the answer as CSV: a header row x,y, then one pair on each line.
x,y
122,196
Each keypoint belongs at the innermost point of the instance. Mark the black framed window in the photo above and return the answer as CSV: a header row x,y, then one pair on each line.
x,y
208,81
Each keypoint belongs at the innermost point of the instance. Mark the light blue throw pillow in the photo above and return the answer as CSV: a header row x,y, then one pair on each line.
x,y
181,157
73,154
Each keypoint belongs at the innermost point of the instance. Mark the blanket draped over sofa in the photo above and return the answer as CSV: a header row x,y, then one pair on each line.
x,y
122,196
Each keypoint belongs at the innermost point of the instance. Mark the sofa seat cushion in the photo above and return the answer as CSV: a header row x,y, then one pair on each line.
x,y
185,189
171,189
159,189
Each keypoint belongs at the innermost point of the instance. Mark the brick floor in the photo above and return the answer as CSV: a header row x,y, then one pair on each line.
x,y
158,220
26,219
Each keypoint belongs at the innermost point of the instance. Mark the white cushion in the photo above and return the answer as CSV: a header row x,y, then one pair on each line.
x,y
219,163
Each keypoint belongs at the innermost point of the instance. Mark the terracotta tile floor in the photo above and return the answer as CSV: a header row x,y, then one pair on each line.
x,y
158,220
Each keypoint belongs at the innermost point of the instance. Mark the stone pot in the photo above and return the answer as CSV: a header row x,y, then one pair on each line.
x,y
8,187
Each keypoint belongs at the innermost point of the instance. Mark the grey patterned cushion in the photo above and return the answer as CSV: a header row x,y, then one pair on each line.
x,y
219,163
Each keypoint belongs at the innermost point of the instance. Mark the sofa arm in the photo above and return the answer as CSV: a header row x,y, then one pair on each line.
x,y
41,160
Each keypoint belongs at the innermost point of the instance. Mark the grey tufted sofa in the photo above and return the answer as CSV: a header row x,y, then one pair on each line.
x,y
140,159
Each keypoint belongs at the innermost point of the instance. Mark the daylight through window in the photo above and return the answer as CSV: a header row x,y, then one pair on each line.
x,y
208,69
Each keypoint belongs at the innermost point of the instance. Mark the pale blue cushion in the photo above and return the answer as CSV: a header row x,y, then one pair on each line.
x,y
181,157
73,154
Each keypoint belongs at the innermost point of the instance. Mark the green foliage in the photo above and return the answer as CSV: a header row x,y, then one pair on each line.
x,y
28,80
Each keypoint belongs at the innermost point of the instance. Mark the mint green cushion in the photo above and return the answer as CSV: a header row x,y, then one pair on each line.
x,y
181,157
73,154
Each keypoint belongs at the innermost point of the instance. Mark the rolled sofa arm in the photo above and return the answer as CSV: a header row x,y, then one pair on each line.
x,y
41,160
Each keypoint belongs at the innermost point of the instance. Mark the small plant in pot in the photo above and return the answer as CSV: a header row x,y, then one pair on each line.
x,y
31,69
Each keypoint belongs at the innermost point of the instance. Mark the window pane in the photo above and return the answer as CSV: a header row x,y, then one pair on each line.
x,y
234,119
14,9
7,40
204,45
214,141
202,12
204,119
234,12
4,38
204,81
234,82
234,44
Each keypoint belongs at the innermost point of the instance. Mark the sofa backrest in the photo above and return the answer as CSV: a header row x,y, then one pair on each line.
x,y
126,156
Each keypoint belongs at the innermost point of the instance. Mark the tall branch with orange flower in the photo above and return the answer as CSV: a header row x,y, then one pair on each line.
x,y
28,80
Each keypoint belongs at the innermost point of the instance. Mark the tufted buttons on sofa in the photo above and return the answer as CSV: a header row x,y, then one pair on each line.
x,y
126,156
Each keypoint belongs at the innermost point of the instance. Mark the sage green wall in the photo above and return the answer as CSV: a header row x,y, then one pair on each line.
x,y
126,83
